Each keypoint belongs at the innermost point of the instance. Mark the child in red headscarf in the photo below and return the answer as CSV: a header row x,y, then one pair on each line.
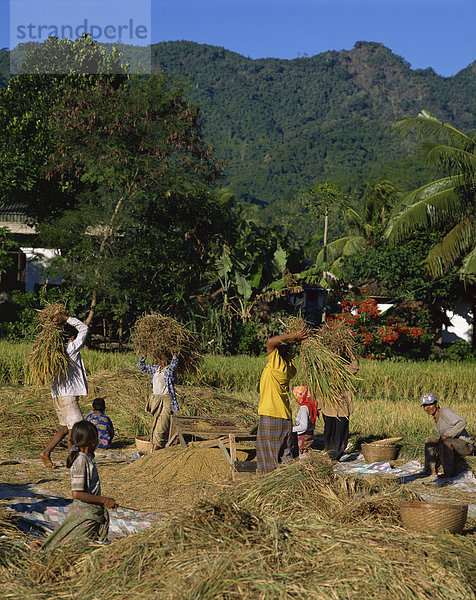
x,y
305,418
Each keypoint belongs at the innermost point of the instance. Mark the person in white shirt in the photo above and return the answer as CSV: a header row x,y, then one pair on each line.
x,y
163,400
305,418
66,389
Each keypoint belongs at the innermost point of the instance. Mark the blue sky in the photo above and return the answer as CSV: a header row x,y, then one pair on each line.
x,y
427,33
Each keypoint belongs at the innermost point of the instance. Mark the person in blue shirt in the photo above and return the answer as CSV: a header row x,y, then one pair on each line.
x,y
103,423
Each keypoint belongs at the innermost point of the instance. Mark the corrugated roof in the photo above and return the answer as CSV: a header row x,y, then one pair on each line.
x,y
12,207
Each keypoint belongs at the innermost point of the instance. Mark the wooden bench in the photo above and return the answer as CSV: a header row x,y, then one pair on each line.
x,y
223,430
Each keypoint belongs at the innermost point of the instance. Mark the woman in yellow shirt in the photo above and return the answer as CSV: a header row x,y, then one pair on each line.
x,y
274,439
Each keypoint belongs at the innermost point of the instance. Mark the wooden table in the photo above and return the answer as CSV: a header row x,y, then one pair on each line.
x,y
222,429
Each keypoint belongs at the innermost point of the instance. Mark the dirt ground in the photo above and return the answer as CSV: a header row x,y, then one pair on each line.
x,y
160,482
165,480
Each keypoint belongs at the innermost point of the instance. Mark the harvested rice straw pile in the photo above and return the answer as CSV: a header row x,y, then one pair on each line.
x,y
158,336
175,476
48,356
324,371
247,545
7,526
337,336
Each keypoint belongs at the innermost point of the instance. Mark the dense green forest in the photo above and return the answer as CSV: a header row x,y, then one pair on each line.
x,y
284,124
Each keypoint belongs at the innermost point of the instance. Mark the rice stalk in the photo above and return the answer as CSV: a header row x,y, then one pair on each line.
x,y
160,337
48,357
337,336
46,315
324,371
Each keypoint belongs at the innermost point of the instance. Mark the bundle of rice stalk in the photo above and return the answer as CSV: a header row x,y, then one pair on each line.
x,y
324,371
46,316
48,357
157,336
337,336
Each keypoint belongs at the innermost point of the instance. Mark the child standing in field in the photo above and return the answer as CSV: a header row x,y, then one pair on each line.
x,y
102,422
305,418
88,518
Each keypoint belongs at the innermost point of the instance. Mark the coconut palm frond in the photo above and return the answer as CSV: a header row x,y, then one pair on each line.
x,y
468,269
429,126
454,159
429,205
449,201
354,245
424,192
453,246
342,246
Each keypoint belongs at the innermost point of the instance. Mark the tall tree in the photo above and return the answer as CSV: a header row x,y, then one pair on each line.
x,y
450,200
134,216
139,150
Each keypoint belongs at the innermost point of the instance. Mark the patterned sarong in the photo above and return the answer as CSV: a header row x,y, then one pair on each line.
x,y
305,441
83,522
273,443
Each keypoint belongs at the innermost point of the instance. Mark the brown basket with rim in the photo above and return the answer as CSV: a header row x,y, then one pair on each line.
x,y
143,444
433,517
377,452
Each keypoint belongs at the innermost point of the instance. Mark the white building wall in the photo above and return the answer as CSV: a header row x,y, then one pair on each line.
x,y
37,260
461,327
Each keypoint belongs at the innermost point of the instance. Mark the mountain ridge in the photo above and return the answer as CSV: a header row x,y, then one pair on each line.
x,y
283,124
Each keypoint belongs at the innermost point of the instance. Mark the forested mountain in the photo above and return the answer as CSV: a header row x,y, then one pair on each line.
x,y
281,125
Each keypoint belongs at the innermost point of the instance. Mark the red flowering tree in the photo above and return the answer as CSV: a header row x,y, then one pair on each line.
x,y
380,335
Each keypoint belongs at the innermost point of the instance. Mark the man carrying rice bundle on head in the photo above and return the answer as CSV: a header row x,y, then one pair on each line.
x,y
67,386
274,439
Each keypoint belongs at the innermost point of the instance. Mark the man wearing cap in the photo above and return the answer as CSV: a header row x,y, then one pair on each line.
x,y
454,439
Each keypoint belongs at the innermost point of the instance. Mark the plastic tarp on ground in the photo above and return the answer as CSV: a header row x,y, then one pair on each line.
x,y
430,488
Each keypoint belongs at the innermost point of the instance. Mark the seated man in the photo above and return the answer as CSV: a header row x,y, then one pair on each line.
x,y
454,439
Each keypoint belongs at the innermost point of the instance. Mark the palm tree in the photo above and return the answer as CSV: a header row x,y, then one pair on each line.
x,y
447,201
377,202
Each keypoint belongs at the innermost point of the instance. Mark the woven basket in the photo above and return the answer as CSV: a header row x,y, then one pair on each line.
x,y
434,517
376,452
143,444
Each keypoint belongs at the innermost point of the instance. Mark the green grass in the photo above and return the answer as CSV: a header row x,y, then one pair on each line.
x,y
386,380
